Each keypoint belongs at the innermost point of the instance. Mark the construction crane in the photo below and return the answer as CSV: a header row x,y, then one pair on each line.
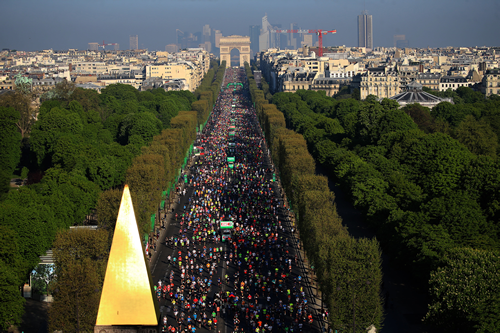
x,y
319,32
103,45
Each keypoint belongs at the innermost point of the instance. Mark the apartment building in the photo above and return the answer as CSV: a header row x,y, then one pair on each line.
x,y
95,68
453,82
430,80
174,71
491,82
379,82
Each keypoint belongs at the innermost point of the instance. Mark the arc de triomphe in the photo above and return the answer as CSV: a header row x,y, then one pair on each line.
x,y
242,43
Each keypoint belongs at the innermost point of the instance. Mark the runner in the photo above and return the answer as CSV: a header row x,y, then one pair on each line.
x,y
233,181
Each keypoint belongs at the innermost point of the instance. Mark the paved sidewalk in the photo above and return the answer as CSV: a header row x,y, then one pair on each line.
x,y
169,214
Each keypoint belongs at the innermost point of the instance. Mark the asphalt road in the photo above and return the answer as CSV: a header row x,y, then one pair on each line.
x,y
161,268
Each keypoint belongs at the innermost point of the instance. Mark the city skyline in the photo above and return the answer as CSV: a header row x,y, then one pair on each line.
x,y
436,23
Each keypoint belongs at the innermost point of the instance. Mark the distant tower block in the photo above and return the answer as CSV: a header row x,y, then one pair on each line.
x,y
134,42
93,46
128,303
365,30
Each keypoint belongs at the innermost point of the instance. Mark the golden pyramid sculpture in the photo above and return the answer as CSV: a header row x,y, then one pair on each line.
x,y
127,297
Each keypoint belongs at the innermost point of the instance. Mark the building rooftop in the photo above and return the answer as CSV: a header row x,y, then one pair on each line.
x,y
414,94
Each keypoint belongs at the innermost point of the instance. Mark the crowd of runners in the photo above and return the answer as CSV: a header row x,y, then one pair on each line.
x,y
250,281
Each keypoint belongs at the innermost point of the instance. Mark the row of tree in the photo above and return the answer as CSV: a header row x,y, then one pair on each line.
x,y
348,270
208,91
155,170
432,200
84,143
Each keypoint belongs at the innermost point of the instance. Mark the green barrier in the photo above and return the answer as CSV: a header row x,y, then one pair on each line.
x,y
163,194
153,218
162,204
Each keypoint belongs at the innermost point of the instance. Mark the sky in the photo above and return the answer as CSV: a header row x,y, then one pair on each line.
x,y
31,25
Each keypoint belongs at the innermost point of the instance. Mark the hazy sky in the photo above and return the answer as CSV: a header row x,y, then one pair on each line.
x,y
62,24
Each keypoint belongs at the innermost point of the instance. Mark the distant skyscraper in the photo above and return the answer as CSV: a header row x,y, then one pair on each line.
x,y
398,37
400,41
402,44
207,46
179,36
308,40
171,48
292,38
254,33
116,47
365,30
274,38
207,33
93,46
197,39
218,35
265,34
134,42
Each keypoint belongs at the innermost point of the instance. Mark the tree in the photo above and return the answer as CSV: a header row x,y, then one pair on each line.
x,y
107,208
47,130
77,292
102,172
464,291
420,115
10,148
389,104
469,96
25,214
481,181
393,120
11,301
407,194
11,274
353,295
21,102
462,218
449,112
369,192
417,242
324,150
438,162
62,91
81,192
477,136
42,275
145,125
80,257
368,119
